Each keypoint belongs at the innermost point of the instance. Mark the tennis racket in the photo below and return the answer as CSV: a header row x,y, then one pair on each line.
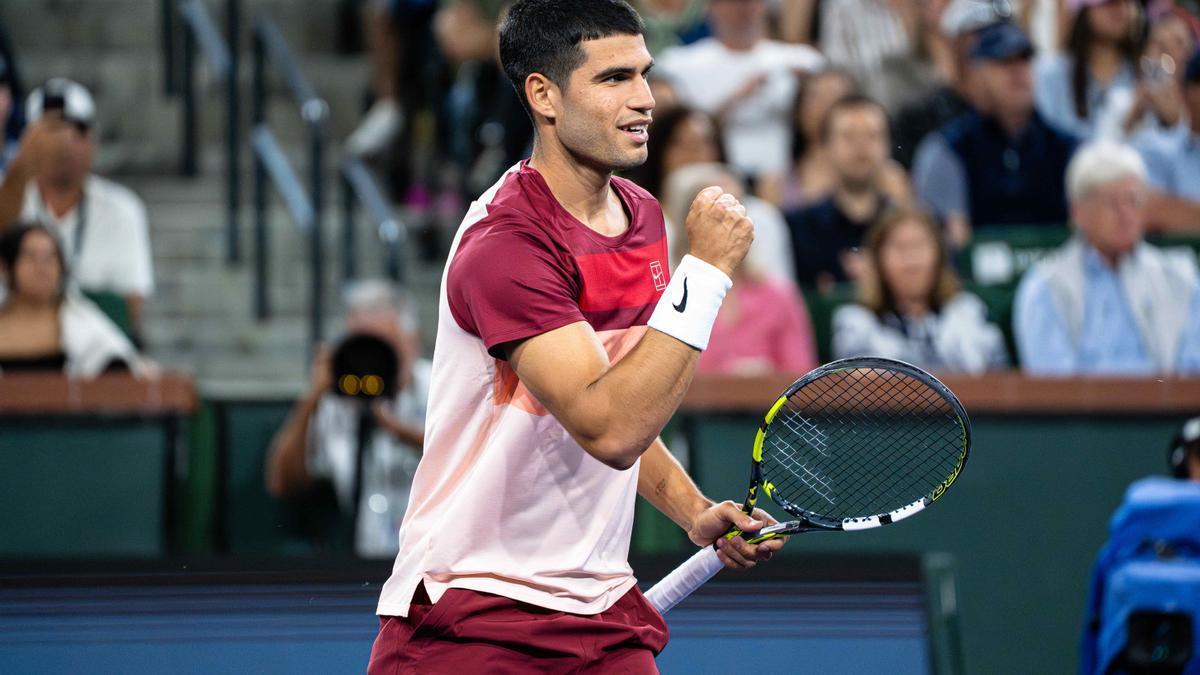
x,y
855,444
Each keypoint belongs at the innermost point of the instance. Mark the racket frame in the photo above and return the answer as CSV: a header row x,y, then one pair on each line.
x,y
807,521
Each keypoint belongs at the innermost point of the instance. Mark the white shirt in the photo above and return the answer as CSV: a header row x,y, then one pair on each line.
x,y
758,129
114,253
388,465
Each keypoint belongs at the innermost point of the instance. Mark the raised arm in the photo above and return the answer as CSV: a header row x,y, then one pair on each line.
x,y
615,411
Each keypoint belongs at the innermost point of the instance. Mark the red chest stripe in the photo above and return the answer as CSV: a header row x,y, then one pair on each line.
x,y
627,278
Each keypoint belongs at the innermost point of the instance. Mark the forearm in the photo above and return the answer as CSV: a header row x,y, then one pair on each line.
x,y
664,483
1167,213
624,408
287,471
12,193
408,434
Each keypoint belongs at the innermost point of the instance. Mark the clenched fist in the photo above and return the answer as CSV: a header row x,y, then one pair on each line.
x,y
718,230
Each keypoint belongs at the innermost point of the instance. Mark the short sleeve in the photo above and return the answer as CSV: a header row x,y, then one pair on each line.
x,y
507,284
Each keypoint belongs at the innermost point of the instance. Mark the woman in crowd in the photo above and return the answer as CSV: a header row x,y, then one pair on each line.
x,y
1158,108
911,306
44,325
1089,89
763,325
812,177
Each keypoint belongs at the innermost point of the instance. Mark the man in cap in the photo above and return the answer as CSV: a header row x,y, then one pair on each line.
x,y
101,225
1000,163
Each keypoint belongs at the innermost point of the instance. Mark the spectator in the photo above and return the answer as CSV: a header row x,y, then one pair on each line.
x,y
319,439
1088,89
771,247
44,325
1157,109
1107,303
911,306
1183,456
959,26
1174,165
826,235
1002,163
679,137
811,177
745,80
763,326
101,226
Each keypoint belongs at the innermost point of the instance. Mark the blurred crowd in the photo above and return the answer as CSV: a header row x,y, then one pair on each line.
x,y
873,143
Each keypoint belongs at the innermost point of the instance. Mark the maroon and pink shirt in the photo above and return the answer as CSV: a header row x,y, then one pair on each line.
x,y
504,500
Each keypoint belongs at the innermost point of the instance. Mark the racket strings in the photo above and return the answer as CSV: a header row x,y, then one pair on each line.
x,y
861,442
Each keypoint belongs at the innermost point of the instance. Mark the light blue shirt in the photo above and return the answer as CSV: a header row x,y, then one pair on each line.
x,y
1174,167
1109,342
1054,98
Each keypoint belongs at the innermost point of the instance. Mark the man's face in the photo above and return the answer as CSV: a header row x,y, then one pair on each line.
x,y
73,160
1006,86
857,143
604,112
1112,217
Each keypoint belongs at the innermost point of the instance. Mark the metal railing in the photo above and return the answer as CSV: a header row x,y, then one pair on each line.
x,y
359,186
200,31
270,49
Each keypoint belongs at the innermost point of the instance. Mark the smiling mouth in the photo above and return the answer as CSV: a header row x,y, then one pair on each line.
x,y
639,132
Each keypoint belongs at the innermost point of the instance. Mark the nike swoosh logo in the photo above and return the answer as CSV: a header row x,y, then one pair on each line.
x,y
682,303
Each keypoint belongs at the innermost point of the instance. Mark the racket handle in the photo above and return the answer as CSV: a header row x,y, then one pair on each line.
x,y
689,576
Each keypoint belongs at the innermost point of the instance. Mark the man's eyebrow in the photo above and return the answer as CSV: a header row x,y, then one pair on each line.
x,y
621,70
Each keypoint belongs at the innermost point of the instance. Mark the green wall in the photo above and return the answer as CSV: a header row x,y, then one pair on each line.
x,y
83,489
1024,523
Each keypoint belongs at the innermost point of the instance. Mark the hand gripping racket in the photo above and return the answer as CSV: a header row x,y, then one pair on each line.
x,y
855,444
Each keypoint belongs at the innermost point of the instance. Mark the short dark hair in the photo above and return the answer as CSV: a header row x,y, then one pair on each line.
x,y
851,102
544,36
10,249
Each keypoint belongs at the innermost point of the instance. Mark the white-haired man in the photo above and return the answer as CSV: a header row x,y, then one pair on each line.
x,y
319,440
1108,303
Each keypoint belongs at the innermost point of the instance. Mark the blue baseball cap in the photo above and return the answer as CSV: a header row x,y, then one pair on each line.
x,y
1191,74
1002,41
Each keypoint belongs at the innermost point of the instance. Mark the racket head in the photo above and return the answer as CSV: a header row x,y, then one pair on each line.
x,y
860,443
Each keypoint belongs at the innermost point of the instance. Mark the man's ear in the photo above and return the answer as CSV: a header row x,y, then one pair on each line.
x,y
543,95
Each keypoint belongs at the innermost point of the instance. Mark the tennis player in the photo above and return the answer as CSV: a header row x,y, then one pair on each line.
x,y
563,348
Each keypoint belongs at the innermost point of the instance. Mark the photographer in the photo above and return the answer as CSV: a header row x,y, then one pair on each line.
x,y
320,439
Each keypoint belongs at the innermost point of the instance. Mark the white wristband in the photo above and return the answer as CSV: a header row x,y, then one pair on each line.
x,y
688,308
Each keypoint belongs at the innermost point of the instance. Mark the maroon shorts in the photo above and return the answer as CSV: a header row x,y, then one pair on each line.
x,y
471,632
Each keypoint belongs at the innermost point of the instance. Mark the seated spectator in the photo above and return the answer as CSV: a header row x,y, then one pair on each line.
x,y
1001,164
826,235
1088,89
1107,303
745,80
101,226
1174,165
959,27
763,325
679,137
911,306
44,325
811,178
319,440
772,248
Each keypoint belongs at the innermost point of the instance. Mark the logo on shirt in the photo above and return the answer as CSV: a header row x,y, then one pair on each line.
x,y
656,273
